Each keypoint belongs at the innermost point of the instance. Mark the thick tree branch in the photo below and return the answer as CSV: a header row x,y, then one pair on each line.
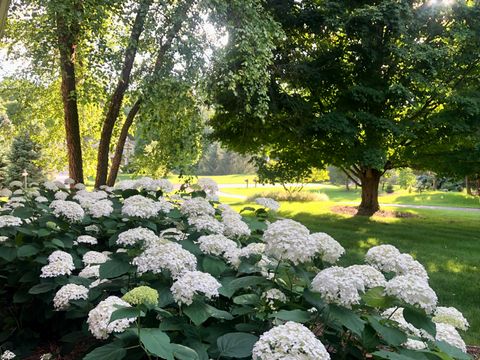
x,y
117,97
350,176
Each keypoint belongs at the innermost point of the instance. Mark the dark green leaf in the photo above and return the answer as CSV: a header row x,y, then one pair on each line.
x,y
125,312
182,352
391,335
27,250
375,298
348,319
420,320
157,343
299,316
114,268
112,351
236,345
41,288
8,253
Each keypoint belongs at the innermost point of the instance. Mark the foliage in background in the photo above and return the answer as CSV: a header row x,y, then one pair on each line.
x,y
364,86
24,155
216,160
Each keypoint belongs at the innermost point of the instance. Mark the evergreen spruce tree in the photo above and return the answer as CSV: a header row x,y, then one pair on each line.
x,y
3,166
24,153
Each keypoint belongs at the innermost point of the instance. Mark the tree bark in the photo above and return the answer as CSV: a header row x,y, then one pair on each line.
x,y
67,34
179,17
370,179
467,186
117,98
117,158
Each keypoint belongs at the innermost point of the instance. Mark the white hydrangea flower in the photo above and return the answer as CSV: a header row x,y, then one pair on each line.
x,y
69,292
94,258
80,186
215,245
208,185
383,257
15,183
268,203
60,263
101,208
406,264
413,344
69,181
192,283
450,335
85,197
3,239
85,239
92,229
328,247
196,207
206,222
274,296
370,276
252,249
18,192
41,199
145,208
68,210
414,290
290,341
5,193
49,185
289,240
169,256
9,221
451,316
99,318
234,226
164,185
61,195
7,355
59,184
337,285
90,271
136,235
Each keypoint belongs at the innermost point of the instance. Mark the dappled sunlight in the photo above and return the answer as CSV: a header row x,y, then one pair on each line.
x,y
367,244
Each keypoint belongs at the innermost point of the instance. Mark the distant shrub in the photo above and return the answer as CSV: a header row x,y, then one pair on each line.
x,y
389,189
302,196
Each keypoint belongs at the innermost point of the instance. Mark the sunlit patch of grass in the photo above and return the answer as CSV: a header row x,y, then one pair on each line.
x,y
367,244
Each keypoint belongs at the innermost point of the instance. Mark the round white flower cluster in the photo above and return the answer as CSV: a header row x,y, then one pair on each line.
x,y
85,239
136,235
450,316
69,210
9,220
145,208
92,229
413,344
289,240
268,203
414,290
388,258
370,276
252,249
216,244
208,185
50,185
59,263
69,292
94,258
450,335
145,183
289,341
3,239
206,223
5,193
330,250
86,198
61,195
90,271
196,207
41,199
337,285
192,283
274,296
7,355
100,208
233,224
99,318
169,256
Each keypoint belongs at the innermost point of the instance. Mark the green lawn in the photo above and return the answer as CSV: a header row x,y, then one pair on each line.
x,y
446,242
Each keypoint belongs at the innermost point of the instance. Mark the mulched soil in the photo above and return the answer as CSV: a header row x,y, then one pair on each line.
x,y
474,351
352,210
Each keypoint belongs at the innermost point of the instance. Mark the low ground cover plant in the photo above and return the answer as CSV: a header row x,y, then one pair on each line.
x,y
139,271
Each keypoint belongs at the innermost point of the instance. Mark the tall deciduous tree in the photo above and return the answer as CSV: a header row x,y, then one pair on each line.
x,y
367,86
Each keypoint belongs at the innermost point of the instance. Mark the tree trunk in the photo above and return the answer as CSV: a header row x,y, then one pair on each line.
x,y
67,34
467,186
370,179
178,18
117,158
347,184
117,98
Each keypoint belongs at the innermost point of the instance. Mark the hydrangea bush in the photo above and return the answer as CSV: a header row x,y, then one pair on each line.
x,y
137,271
